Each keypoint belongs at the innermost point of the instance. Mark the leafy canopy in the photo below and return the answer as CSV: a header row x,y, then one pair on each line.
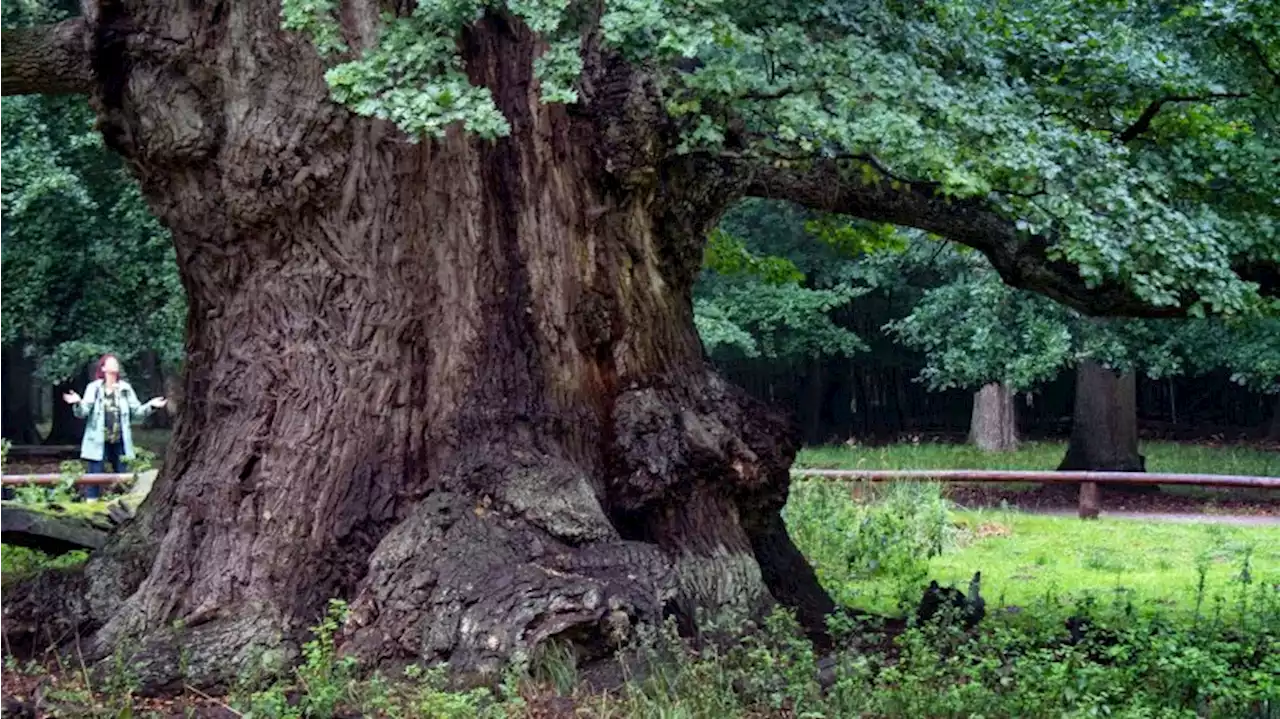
x,y
973,329
767,290
943,300
1137,139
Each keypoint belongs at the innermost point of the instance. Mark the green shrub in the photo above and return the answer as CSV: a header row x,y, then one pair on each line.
x,y
893,537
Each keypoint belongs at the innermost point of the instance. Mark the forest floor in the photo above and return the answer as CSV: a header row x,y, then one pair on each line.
x,y
1194,610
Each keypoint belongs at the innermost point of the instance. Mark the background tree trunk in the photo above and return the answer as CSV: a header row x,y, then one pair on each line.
x,y
994,427
157,385
65,427
1104,425
815,394
18,412
456,383
1273,433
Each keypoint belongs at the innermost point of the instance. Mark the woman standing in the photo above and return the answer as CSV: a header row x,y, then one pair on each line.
x,y
110,405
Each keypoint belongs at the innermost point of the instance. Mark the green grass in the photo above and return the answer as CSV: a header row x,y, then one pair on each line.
x,y
16,563
876,555
1170,457
1189,615
1154,563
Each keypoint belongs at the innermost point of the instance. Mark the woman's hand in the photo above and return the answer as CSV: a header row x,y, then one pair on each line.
x,y
157,402
71,397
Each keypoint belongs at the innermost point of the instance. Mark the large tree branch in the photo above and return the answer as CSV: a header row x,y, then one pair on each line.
x,y
1143,123
1023,261
45,59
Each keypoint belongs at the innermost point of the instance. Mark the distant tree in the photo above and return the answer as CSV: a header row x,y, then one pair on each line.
x,y
978,333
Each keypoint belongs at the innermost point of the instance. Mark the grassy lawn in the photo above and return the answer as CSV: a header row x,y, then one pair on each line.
x,y
1171,457
1025,558
876,555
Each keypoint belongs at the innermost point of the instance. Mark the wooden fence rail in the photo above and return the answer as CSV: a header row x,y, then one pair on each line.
x,y
11,480
1089,482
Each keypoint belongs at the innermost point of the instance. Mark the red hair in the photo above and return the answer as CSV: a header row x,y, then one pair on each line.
x,y
102,361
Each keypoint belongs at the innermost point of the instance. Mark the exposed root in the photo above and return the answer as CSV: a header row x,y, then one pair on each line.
x,y
462,583
46,610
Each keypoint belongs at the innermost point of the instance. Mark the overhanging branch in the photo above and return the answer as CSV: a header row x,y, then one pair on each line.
x,y
1143,123
45,59
1021,260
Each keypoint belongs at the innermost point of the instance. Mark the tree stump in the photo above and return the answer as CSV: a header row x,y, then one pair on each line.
x,y
55,531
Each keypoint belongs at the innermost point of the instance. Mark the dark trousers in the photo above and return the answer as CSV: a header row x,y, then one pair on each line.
x,y
112,454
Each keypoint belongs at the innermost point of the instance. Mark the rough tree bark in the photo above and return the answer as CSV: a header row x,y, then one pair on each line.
x,y
17,414
1104,423
456,383
994,425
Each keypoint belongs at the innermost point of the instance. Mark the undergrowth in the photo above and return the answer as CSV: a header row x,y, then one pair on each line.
x,y
1073,646
1120,663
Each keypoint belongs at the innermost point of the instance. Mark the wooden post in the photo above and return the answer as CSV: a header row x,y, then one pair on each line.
x,y
1089,500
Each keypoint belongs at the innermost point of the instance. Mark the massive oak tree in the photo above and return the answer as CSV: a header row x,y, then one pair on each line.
x,y
441,358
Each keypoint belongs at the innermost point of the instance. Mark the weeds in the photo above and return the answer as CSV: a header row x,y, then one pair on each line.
x,y
327,684
849,542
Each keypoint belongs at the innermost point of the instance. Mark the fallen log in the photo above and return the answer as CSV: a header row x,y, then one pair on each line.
x,y
19,480
53,529
1047,477
1090,482
45,529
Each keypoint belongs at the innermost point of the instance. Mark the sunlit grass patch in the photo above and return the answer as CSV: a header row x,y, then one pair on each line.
x,y
913,534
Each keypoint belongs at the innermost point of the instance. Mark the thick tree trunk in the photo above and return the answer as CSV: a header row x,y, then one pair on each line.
x,y
17,414
1104,426
1104,432
994,426
456,383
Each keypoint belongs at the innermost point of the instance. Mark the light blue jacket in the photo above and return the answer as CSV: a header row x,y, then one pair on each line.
x,y
91,406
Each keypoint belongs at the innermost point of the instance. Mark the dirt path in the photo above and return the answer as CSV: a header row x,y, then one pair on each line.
x,y
1252,507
